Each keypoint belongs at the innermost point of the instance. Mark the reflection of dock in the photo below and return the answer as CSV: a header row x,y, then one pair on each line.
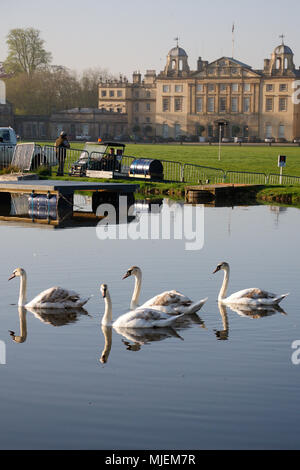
x,y
52,202
218,194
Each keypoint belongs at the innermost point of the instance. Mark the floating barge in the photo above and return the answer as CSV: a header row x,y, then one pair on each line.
x,y
52,202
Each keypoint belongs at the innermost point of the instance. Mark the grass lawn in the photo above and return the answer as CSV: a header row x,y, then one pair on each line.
x,y
253,158
261,159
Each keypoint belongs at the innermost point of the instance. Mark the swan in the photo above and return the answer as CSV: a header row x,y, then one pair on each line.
x,y
170,302
139,318
55,297
250,297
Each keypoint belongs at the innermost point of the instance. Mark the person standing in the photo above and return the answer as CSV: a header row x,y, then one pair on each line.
x,y
61,146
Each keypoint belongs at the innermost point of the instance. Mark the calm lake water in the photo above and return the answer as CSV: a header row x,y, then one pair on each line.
x,y
223,381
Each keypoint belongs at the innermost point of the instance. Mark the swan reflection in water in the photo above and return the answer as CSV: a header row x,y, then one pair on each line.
x,y
135,338
246,311
54,317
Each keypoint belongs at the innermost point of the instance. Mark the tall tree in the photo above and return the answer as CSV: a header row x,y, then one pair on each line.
x,y
26,51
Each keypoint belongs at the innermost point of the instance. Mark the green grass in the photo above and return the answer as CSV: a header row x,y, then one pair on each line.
x,y
261,159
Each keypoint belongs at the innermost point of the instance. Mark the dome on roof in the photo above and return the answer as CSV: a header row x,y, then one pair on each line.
x,y
283,49
177,52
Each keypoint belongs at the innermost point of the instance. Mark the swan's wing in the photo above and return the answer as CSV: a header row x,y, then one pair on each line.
x,y
168,298
251,294
142,318
55,295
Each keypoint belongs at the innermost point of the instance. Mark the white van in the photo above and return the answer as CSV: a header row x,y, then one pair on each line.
x,y
8,141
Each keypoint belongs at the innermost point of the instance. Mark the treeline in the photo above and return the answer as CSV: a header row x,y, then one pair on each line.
x,y
52,89
34,86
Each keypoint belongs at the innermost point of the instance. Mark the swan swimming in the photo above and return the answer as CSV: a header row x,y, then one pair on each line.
x,y
251,297
55,297
171,302
139,318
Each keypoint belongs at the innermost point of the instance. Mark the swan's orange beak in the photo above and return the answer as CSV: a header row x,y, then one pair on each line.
x,y
126,275
12,277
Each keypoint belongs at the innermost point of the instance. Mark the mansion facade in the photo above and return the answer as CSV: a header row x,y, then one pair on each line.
x,y
225,96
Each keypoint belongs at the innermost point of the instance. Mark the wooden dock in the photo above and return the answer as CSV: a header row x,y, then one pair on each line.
x,y
216,193
63,191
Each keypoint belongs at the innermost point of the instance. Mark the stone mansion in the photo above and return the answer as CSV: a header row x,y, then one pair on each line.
x,y
226,94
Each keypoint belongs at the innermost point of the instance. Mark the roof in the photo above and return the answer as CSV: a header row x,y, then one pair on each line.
x,y
238,62
283,49
177,51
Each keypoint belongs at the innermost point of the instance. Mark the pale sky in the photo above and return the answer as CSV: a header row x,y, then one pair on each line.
x,y
124,36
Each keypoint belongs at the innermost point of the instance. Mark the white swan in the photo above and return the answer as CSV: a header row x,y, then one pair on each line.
x,y
139,318
171,302
55,297
251,297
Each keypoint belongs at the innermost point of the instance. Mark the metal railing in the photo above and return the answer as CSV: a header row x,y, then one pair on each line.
x,y
284,179
202,174
6,155
245,177
72,155
172,171
125,164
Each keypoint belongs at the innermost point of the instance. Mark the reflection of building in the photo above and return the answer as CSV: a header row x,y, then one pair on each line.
x,y
226,92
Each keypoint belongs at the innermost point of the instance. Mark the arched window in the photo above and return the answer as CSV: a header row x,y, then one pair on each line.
x,y
268,131
165,130
180,64
285,63
173,64
177,130
278,63
281,131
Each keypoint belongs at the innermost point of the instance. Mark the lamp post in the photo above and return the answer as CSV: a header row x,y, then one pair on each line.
x,y
221,126
220,141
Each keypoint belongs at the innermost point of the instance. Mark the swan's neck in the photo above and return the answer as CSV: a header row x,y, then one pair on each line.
x,y
23,326
224,316
107,331
23,289
136,292
223,291
107,317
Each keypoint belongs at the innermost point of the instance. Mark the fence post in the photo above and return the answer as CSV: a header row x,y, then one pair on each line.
x,y
182,172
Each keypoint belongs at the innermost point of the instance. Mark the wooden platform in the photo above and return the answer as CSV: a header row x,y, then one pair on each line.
x,y
64,187
64,202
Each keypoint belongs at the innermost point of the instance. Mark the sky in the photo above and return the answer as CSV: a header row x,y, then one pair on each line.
x,y
123,37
